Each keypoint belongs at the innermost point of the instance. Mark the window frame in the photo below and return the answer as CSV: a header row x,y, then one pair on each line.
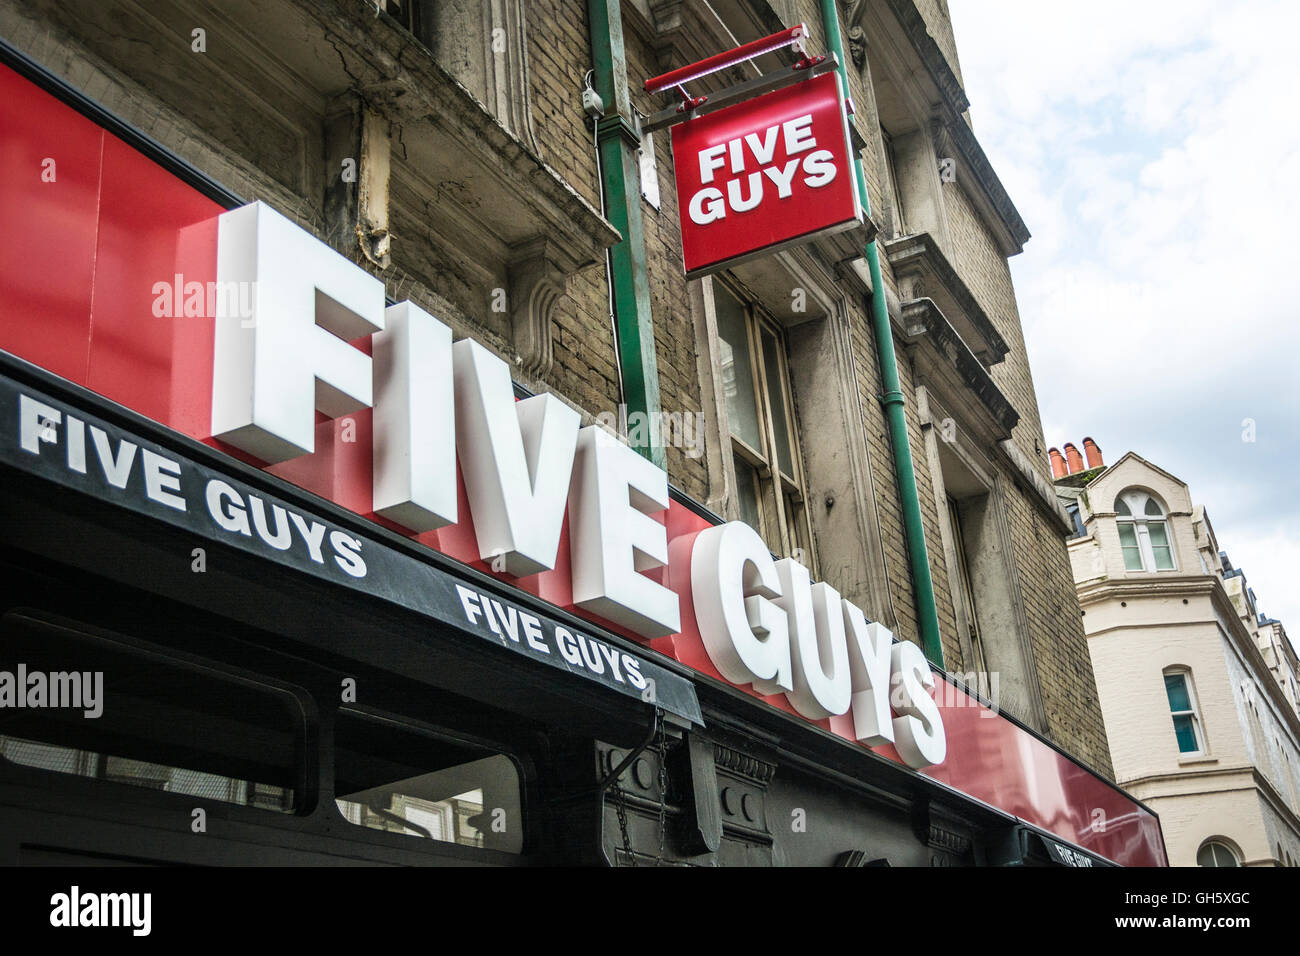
x,y
1212,842
1140,522
780,488
403,722
1198,723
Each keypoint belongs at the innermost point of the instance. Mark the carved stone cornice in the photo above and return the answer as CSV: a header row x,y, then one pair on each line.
x,y
975,174
923,271
945,363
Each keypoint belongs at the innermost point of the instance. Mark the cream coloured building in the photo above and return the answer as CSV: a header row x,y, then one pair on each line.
x,y
1197,688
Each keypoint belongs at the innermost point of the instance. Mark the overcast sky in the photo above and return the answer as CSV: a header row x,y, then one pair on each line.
x,y
1153,149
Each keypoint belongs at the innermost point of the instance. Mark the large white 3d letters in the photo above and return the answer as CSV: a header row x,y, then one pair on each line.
x,y
734,583
437,404
274,369
516,457
918,730
817,639
415,421
869,662
612,537
763,622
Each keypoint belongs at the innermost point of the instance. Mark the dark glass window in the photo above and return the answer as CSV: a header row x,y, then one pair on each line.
x,y
394,776
96,707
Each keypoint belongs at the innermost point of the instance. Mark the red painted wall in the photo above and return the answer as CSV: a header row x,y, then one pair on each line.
x,y
84,241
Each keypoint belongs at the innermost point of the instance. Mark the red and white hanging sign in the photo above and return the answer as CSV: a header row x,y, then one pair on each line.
x,y
763,174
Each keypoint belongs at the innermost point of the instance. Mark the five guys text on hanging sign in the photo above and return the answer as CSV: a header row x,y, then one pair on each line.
x,y
763,174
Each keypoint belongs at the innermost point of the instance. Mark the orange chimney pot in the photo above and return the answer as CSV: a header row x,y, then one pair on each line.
x,y
1093,452
1058,463
1073,460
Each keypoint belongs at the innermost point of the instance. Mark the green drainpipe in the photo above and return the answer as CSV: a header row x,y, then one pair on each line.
x,y
618,140
892,399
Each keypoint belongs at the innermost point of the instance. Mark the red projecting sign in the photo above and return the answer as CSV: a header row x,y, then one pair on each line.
x,y
763,174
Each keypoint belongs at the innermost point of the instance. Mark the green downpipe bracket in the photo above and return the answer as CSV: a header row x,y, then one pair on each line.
x,y
618,140
893,401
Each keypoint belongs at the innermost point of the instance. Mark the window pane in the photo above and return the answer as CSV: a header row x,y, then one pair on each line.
x,y
737,372
1153,509
772,369
163,724
1160,546
1185,731
1129,543
747,493
1176,689
1215,854
394,777
1121,507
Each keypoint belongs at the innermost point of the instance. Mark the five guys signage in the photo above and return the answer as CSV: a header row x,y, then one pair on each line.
x,y
243,331
763,174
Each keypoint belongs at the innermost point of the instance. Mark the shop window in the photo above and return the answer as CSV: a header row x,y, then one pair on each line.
x,y
1143,532
98,708
755,379
1183,710
397,777
1216,853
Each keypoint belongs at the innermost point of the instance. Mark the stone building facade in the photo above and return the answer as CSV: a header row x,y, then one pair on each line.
x,y
1198,688
444,147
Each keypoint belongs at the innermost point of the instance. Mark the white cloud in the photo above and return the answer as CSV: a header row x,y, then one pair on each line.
x,y
1152,150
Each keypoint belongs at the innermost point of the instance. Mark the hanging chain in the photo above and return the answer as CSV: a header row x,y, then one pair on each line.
x,y
620,802
662,738
620,808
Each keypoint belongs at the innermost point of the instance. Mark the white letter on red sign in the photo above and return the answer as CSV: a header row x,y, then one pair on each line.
x,y
869,660
271,375
798,136
612,538
415,421
734,582
918,730
816,634
516,457
706,206
710,159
